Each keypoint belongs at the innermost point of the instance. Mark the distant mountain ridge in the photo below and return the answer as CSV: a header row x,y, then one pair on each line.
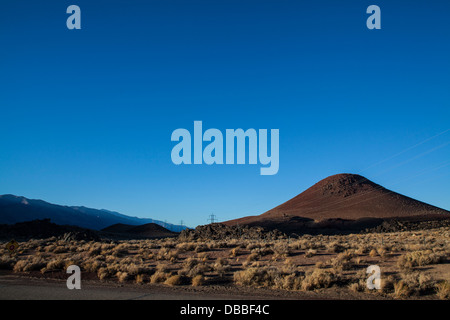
x,y
15,209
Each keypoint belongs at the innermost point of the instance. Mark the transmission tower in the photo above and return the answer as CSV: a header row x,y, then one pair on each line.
x,y
212,218
181,225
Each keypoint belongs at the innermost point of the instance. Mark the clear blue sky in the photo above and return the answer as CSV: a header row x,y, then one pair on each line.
x,y
86,115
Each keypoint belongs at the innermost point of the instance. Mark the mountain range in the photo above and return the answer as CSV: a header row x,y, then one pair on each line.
x,y
15,209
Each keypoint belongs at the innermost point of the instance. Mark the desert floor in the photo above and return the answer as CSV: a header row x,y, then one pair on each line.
x,y
413,265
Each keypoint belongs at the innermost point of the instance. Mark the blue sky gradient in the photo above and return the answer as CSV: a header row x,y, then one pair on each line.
x,y
87,115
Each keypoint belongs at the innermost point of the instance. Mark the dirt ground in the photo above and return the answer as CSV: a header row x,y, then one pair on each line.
x,y
413,265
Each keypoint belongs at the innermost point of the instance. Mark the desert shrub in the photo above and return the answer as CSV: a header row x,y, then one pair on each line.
x,y
201,247
319,278
95,250
359,283
252,257
30,264
203,256
163,267
61,249
190,262
401,289
197,269
320,264
134,269
356,287
420,258
387,284
141,278
291,281
335,247
343,261
234,252
362,249
176,280
56,264
104,272
122,276
281,249
262,251
373,253
158,277
253,245
221,261
221,269
417,282
310,253
92,265
358,260
186,246
198,280
258,277
120,250
443,290
163,254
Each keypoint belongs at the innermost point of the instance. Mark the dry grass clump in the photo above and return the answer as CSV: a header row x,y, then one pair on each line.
x,y
190,262
141,278
234,252
120,250
29,264
405,285
387,284
55,265
203,256
163,254
357,287
253,245
383,251
252,257
319,278
291,281
201,247
134,270
198,269
362,249
335,247
310,253
401,289
256,277
373,253
186,246
122,276
198,280
361,282
177,280
158,277
92,265
420,258
343,261
443,290
281,250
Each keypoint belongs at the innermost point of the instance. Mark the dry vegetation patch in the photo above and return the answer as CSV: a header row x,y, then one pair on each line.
x,y
407,261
